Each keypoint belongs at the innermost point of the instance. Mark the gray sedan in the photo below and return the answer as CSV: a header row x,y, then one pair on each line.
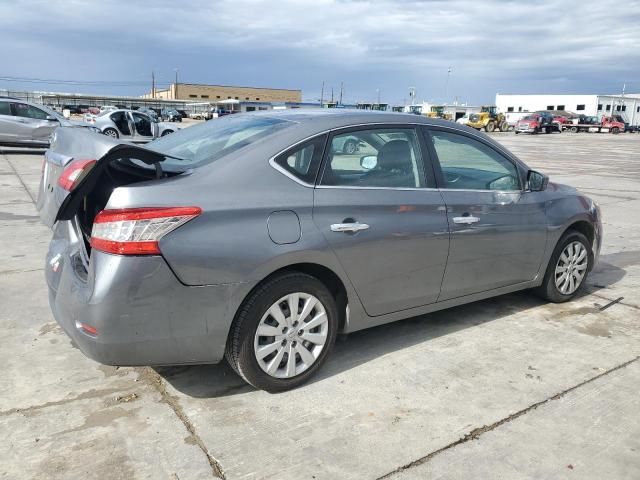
x,y
24,123
252,239
131,125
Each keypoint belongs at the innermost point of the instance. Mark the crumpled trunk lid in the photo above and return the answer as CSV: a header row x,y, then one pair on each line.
x,y
54,202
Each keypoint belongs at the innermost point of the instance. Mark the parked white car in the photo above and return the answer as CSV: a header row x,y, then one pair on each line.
x,y
131,125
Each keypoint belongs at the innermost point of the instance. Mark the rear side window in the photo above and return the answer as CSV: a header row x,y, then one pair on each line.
x,y
5,108
302,161
205,143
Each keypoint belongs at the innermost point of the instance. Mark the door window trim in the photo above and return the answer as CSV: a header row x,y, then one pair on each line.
x,y
429,181
440,181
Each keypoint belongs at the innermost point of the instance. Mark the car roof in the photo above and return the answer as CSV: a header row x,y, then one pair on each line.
x,y
329,118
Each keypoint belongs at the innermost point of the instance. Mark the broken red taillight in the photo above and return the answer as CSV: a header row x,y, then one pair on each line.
x,y
74,173
137,231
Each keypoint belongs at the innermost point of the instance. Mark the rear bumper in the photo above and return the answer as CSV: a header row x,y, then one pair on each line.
x,y
142,313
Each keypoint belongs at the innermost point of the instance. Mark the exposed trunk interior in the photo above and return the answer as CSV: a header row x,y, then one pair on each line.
x,y
113,174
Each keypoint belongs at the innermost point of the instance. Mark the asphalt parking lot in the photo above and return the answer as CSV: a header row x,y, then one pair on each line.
x,y
509,387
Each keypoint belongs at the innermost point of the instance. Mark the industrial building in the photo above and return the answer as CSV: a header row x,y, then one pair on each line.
x,y
215,93
627,106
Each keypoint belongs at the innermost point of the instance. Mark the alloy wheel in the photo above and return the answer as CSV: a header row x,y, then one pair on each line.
x,y
291,335
571,268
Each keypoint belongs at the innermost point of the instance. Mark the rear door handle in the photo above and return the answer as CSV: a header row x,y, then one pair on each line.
x,y
468,220
349,227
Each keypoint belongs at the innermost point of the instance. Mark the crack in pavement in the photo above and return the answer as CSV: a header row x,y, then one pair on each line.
x,y
479,431
82,396
152,378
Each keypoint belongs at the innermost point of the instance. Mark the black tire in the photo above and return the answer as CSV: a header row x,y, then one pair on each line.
x,y
350,147
491,126
548,289
615,130
574,129
166,132
111,132
548,130
516,132
240,343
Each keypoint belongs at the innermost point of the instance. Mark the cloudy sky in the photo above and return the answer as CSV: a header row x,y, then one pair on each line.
x,y
508,46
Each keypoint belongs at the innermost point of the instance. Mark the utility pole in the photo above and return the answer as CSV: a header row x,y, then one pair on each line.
x,y
322,95
341,91
153,85
175,90
446,86
332,95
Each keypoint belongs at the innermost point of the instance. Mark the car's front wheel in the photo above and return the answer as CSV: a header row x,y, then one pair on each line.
x,y
568,267
283,332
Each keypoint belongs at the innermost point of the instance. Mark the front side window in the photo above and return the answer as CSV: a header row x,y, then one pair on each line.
x,y
468,164
28,111
303,160
387,158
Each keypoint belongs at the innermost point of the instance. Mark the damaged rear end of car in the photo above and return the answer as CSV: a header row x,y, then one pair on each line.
x,y
110,287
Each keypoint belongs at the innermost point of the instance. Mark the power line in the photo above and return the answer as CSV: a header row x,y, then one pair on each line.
x,y
108,83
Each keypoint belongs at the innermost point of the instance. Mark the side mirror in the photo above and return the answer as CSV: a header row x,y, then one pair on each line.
x,y
50,118
537,181
368,162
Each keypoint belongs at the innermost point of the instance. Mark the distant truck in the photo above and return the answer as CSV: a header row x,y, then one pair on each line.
x,y
538,122
594,125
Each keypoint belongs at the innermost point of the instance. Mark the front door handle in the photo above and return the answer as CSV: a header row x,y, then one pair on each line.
x,y
468,220
349,227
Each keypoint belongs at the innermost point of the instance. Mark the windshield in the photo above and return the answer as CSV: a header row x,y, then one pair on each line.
x,y
207,142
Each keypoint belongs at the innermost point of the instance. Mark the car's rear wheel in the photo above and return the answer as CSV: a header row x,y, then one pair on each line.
x,y
568,267
166,132
615,130
283,332
111,132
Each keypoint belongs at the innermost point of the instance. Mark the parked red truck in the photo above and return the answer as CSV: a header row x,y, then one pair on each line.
x,y
591,124
538,122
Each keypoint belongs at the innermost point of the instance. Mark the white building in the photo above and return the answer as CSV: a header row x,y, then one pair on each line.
x,y
627,106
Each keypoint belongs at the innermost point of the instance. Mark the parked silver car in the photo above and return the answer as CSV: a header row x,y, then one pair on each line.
x,y
253,238
131,125
25,123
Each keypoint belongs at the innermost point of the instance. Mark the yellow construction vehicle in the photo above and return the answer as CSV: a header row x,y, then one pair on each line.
x,y
489,119
438,112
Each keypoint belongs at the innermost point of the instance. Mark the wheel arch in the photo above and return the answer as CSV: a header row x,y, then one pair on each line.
x,y
584,227
324,274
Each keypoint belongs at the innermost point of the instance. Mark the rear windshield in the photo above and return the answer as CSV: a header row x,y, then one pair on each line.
x,y
201,144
